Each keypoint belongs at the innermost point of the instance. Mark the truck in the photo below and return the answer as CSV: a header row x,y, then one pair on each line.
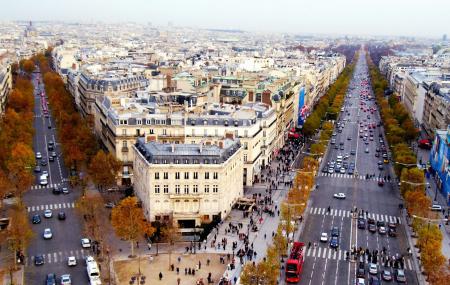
x,y
294,264
93,271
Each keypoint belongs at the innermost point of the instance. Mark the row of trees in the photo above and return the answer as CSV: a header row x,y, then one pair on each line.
x,y
328,106
400,131
80,147
267,271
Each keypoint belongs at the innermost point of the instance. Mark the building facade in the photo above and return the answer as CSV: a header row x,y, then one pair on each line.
x,y
436,113
439,159
5,86
188,184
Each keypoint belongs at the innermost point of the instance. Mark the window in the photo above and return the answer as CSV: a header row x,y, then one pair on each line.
x,y
177,161
215,175
166,175
156,189
138,122
206,161
195,161
186,189
177,175
124,132
215,188
186,175
124,144
177,189
216,132
164,132
206,188
246,133
246,145
245,157
206,175
166,189
156,175
152,131
195,189
195,175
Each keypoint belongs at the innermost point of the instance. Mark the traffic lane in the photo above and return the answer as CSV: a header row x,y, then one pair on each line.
x,y
38,197
37,274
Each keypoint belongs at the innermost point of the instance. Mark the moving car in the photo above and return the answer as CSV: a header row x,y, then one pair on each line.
x,y
56,191
386,275
39,260
335,232
361,223
324,237
334,242
37,168
361,272
366,150
61,216
51,279
38,155
372,228
71,261
44,161
360,281
400,276
47,233
374,280
36,219
65,190
85,243
373,269
339,195
48,214
65,279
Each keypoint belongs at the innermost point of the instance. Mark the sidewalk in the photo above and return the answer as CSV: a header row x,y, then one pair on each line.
x,y
17,277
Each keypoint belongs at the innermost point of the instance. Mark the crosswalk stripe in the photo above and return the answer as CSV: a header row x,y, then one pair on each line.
x,y
319,251
50,206
311,210
324,252
378,218
308,252
46,207
314,252
73,205
329,253
55,257
339,214
335,254
49,258
56,206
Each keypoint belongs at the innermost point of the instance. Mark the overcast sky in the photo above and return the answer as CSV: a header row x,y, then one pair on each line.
x,y
426,18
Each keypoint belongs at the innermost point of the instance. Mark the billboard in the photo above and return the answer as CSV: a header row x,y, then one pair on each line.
x,y
302,108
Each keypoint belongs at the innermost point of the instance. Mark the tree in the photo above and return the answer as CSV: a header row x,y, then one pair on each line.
x,y
28,66
104,168
19,233
20,165
170,234
129,221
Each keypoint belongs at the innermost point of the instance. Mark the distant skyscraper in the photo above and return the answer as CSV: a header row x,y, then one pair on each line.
x,y
444,37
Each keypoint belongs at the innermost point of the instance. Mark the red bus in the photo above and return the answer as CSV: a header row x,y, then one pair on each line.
x,y
294,264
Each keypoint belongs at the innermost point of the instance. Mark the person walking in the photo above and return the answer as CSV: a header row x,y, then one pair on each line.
x,y
160,276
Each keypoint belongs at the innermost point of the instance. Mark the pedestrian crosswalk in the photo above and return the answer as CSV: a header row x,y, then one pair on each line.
x,y
55,206
59,256
348,214
338,254
348,176
48,186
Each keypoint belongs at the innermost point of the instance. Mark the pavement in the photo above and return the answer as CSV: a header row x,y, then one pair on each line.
x,y
66,233
323,264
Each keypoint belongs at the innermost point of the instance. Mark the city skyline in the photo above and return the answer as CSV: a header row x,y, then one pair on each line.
x,y
298,17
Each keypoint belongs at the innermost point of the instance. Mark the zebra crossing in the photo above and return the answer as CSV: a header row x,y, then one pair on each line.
x,y
55,206
333,254
348,176
48,186
348,214
59,256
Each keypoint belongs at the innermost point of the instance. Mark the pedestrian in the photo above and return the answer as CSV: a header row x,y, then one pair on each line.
x,y
160,276
199,265
185,271
179,259
178,281
137,244
208,262
149,246
178,270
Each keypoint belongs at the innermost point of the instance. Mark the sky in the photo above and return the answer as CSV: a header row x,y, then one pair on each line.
x,y
423,18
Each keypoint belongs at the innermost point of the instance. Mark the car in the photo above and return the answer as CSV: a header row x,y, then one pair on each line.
x,y
44,161
382,230
335,232
339,195
377,154
50,145
65,279
325,170
350,171
38,155
436,207
380,182
61,216
342,170
53,154
48,214
39,260
56,191
349,138
85,243
342,147
371,221
380,167
324,237
366,150
47,233
372,228
336,146
37,168
36,219
361,223
386,161
373,269
400,276
71,261
65,190
330,169
386,275
51,279
334,242
109,205
374,280
361,272
51,159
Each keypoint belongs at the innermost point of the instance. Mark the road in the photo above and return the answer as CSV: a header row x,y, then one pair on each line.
x,y
323,264
66,233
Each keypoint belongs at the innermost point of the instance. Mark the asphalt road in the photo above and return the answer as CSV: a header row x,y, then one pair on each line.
x,y
323,264
66,233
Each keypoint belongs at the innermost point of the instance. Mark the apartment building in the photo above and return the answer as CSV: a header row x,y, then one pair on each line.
x,y
5,85
436,112
188,184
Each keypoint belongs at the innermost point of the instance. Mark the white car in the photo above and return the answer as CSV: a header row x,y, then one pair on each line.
x,y
339,196
65,279
85,243
360,281
436,207
38,155
71,261
342,170
324,237
48,233
48,213
373,269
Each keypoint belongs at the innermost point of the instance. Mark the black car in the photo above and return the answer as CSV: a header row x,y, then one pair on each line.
x,y
44,161
370,221
374,280
56,191
38,260
361,273
36,219
51,279
372,228
392,232
361,223
380,224
334,242
51,159
61,216
335,232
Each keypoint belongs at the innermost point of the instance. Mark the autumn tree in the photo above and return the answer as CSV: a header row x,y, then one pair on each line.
x,y
19,233
20,167
265,272
129,221
104,168
27,65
